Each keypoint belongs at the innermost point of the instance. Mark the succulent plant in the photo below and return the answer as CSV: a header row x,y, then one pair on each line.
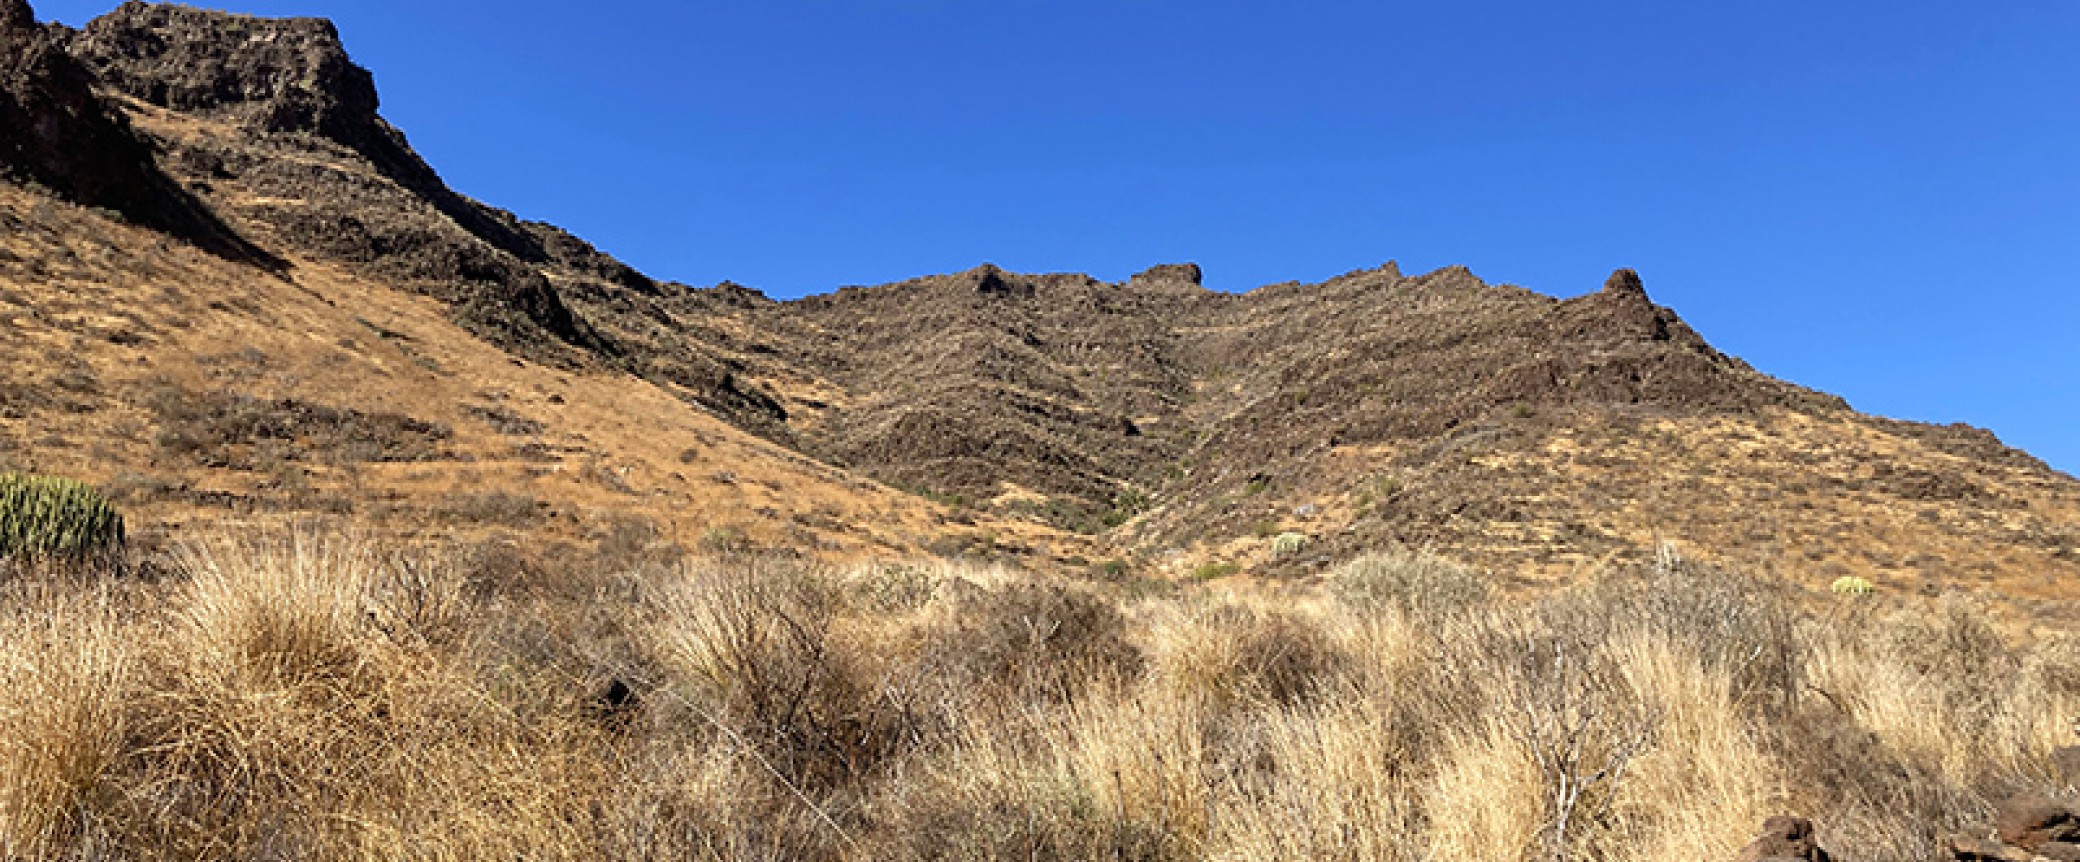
x,y
49,517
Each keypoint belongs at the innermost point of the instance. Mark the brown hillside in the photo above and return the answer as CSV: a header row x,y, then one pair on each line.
x,y
362,339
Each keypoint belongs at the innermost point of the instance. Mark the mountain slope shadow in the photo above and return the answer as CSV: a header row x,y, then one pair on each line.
x,y
57,132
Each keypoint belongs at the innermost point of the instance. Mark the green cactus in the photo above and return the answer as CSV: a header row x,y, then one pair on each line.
x,y
44,517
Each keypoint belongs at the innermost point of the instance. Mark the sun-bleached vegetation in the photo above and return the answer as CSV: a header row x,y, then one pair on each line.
x,y
313,696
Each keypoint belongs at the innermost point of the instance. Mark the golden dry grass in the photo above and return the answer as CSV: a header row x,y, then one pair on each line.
x,y
316,696
119,343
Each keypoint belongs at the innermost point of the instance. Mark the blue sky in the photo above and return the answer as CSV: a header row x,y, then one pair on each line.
x,y
1881,200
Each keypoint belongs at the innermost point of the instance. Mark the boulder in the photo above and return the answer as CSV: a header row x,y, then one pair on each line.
x,y
1625,281
2059,851
2032,820
1784,838
1967,849
1187,273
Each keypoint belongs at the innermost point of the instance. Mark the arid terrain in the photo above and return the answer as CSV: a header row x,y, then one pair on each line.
x,y
302,318
978,565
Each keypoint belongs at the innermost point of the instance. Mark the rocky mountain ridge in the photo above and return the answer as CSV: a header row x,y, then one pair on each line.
x,y
1172,424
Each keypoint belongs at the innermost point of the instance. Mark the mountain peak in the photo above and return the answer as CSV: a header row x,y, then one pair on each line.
x,y
1625,281
1172,272
56,131
15,15
276,74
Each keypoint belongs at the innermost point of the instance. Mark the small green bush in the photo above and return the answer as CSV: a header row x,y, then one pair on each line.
x,y
1287,544
44,517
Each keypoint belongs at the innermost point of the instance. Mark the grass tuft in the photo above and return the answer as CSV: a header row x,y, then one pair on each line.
x,y
301,695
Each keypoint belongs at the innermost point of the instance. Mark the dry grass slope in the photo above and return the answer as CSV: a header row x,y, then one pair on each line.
x,y
314,696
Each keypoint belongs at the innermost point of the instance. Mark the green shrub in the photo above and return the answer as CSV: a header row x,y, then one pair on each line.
x,y
1128,503
46,517
1287,544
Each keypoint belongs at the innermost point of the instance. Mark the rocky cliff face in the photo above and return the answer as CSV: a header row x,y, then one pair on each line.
x,y
274,74
56,132
271,76
307,163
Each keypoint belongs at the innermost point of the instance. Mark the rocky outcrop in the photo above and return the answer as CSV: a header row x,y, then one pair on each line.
x,y
57,132
2026,827
1784,839
276,74
1178,273
271,76
310,135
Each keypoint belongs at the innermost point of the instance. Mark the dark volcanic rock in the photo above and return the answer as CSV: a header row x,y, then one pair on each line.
x,y
1784,838
278,74
1625,281
311,134
271,75
2030,821
54,130
1186,273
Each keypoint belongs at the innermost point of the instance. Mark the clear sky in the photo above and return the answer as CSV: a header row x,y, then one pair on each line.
x,y
1881,200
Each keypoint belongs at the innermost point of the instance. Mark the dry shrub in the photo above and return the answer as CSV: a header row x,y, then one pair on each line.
x,y
221,429
300,697
1565,701
1230,653
1707,779
1113,778
2052,666
1030,637
259,615
893,589
305,696
496,507
1417,582
1956,644
65,674
1918,722
1734,624
1484,803
1332,780
1946,688
1618,717
752,647
304,707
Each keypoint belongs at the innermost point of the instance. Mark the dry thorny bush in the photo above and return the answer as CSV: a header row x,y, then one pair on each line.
x,y
315,696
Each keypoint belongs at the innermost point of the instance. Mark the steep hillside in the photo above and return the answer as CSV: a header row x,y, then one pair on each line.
x,y
1534,434
201,392
230,285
